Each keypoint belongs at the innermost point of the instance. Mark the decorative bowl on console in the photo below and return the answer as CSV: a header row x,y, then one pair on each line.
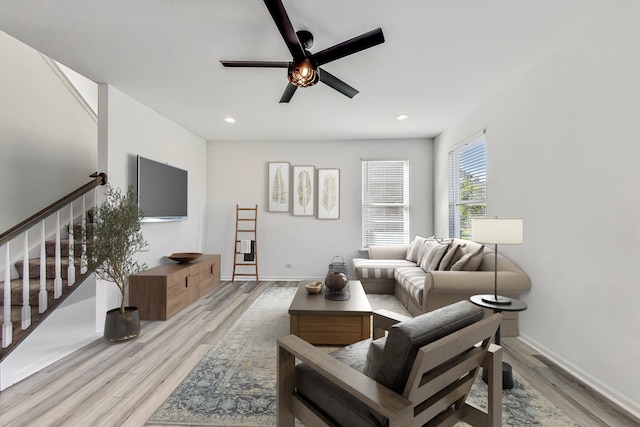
x,y
181,257
313,288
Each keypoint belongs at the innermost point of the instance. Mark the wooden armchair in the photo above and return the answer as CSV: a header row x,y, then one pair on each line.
x,y
428,386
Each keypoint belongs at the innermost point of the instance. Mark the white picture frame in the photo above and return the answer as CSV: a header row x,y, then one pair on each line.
x,y
278,190
328,184
303,190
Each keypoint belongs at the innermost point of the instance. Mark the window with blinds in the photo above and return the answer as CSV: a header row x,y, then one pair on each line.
x,y
467,185
385,202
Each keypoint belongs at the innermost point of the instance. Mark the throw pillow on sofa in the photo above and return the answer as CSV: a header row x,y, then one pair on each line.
x,y
469,261
433,255
414,248
453,255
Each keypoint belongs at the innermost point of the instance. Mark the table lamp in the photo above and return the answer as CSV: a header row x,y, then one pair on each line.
x,y
503,231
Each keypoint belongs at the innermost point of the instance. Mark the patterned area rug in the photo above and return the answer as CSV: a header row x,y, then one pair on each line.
x,y
234,384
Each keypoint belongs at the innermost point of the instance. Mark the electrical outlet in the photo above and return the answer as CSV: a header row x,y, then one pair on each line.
x,y
288,266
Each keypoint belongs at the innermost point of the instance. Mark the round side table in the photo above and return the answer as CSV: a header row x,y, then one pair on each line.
x,y
514,305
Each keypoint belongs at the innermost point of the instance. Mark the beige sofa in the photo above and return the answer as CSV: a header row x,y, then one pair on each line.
x,y
461,269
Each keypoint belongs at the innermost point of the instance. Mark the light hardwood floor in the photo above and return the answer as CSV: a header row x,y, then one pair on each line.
x,y
123,384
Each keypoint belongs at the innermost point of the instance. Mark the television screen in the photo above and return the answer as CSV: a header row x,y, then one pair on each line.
x,y
162,191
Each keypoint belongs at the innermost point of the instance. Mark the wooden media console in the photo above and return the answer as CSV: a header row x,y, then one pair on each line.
x,y
162,291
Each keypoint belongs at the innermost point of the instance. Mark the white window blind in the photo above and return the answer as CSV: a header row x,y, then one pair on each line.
x,y
385,202
467,185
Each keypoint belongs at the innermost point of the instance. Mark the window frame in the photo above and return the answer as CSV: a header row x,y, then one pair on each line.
x,y
473,154
385,203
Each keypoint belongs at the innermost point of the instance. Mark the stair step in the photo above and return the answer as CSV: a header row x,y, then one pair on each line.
x,y
34,291
34,267
50,247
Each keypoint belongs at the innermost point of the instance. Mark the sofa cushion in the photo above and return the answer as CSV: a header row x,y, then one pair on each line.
x,y
378,269
470,261
434,255
411,279
414,248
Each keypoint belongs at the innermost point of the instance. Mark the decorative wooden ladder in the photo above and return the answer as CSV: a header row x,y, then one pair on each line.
x,y
248,217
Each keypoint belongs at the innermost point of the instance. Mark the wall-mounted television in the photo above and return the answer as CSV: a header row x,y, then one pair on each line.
x,y
162,191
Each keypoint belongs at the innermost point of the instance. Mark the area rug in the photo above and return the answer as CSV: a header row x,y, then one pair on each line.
x,y
234,384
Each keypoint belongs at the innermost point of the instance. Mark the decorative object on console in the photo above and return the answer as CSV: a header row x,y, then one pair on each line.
x,y
303,190
116,239
503,231
336,284
278,187
338,265
314,287
328,193
181,257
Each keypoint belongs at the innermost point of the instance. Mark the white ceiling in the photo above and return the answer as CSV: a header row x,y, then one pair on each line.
x,y
441,58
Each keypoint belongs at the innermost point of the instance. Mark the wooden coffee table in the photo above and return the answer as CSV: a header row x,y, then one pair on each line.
x,y
318,320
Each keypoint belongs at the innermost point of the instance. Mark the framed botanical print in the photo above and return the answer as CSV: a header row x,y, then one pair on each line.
x,y
328,193
303,189
278,187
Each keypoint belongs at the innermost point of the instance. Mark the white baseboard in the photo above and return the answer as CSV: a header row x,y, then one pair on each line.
x,y
607,392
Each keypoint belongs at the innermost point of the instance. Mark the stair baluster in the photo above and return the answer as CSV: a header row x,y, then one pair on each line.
x,y
71,270
83,250
26,306
57,281
42,303
7,324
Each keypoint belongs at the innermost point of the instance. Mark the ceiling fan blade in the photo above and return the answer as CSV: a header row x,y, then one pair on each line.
x,y
261,64
280,17
351,46
288,93
334,82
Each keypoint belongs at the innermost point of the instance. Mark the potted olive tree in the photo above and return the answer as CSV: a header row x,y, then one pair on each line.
x,y
115,237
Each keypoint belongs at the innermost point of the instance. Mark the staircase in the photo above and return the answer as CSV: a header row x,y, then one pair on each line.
x,y
34,286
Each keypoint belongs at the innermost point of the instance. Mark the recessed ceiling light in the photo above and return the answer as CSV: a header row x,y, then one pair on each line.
x,y
229,120
402,117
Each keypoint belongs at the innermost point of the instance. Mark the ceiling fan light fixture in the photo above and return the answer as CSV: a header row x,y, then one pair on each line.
x,y
303,73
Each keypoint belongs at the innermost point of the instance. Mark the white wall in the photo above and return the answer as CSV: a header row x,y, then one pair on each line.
x,y
47,139
237,174
48,148
133,129
562,152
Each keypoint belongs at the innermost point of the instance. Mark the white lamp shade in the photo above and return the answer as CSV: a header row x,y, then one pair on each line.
x,y
500,231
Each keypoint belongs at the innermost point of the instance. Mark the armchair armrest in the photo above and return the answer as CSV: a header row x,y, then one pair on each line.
x,y
376,396
383,320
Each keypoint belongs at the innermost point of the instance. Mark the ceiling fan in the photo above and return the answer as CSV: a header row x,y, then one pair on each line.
x,y
304,69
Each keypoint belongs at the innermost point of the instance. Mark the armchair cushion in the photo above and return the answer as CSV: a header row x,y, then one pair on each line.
x,y
374,357
336,403
406,338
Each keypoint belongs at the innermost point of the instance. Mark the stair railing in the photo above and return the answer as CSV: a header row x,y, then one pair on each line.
x,y
21,232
